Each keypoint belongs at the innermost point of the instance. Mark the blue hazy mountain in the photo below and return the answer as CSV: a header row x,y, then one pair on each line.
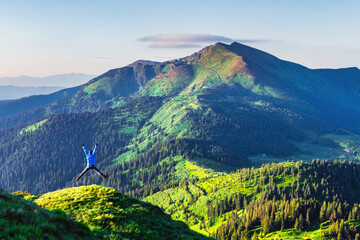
x,y
59,80
13,92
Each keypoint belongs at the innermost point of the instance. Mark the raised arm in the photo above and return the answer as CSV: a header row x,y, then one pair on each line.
x,y
85,151
95,149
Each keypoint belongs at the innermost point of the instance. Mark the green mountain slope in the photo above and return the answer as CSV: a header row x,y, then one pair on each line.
x,y
115,216
22,219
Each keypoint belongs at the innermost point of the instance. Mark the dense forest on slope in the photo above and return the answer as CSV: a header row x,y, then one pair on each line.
x,y
321,198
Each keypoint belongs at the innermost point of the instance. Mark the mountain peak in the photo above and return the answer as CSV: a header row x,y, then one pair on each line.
x,y
250,53
209,53
221,52
142,62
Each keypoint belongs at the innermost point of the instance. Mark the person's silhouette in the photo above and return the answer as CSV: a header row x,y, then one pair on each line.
x,y
90,158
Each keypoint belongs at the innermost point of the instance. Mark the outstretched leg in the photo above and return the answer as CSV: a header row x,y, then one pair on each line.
x,y
98,172
83,172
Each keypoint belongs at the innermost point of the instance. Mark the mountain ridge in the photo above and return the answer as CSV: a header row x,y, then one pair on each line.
x,y
144,73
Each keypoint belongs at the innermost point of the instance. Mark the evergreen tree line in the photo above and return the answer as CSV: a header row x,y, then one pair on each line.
x,y
323,192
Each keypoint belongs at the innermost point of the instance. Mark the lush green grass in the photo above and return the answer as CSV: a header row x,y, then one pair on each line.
x,y
25,195
22,219
190,170
225,184
113,215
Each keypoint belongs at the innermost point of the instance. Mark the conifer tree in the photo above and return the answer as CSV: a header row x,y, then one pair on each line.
x,y
299,223
307,220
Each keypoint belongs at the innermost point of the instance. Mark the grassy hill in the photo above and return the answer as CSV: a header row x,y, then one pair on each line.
x,y
112,215
23,219
91,212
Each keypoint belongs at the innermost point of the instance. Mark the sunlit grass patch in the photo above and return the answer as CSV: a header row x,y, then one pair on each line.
x,y
33,127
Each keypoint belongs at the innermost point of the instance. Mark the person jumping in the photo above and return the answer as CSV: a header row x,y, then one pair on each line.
x,y
90,158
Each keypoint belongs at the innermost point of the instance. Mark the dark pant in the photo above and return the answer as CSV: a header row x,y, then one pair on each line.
x,y
93,168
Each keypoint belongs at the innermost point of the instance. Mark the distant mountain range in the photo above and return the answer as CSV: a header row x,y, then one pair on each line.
x,y
12,92
59,80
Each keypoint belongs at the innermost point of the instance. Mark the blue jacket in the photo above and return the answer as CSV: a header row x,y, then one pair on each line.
x,y
90,158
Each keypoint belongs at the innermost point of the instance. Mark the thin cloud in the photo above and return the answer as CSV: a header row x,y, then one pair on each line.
x,y
173,45
185,40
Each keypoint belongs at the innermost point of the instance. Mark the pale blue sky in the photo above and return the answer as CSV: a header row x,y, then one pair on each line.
x,y
40,38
